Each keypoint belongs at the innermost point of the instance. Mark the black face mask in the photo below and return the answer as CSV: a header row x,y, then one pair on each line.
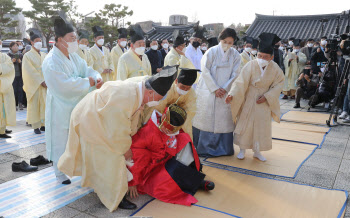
x,y
195,44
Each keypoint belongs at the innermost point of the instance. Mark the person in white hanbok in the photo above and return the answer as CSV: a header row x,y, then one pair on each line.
x,y
68,79
213,125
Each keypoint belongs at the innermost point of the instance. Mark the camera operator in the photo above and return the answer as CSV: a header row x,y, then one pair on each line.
x,y
346,52
318,53
307,84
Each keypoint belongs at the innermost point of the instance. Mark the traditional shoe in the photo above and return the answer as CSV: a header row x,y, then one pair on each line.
x,y
66,182
42,128
23,167
4,136
7,131
285,97
126,204
39,160
241,154
20,106
293,97
37,131
259,156
297,105
207,185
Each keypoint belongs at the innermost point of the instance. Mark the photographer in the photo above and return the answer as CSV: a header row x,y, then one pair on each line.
x,y
307,84
346,107
16,58
318,53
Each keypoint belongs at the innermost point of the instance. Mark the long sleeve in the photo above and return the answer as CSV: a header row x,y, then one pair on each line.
x,y
7,73
206,63
234,73
32,76
122,73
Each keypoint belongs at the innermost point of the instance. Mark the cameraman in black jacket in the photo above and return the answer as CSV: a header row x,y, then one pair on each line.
x,y
307,84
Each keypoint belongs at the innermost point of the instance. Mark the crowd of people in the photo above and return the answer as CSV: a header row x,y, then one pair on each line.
x,y
135,118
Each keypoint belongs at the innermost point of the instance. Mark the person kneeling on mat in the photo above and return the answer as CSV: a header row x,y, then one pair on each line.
x,y
166,164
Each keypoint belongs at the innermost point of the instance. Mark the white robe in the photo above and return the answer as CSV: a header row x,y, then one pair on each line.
x,y
67,83
195,55
219,70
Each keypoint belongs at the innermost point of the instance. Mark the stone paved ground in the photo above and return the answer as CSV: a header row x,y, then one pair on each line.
x,y
328,167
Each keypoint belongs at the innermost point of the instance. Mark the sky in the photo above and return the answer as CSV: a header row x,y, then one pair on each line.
x,y
224,11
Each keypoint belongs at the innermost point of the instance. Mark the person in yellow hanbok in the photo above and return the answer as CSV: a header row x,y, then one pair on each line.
x,y
34,84
119,49
83,50
246,55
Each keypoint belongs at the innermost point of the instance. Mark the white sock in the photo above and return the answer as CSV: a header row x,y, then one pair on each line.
x,y
258,155
241,154
62,178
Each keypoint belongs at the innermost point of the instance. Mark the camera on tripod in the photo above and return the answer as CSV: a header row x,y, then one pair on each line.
x,y
333,42
345,48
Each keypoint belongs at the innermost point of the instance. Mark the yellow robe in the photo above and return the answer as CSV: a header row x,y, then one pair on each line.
x,y
100,133
292,71
173,58
130,65
102,62
245,58
253,124
36,93
187,102
116,53
7,97
85,54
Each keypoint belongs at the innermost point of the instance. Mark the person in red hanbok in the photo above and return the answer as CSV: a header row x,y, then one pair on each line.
x,y
166,164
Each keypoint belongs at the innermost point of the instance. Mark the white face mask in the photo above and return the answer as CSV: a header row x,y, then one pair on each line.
x,y
225,47
310,45
291,43
248,49
123,44
323,42
140,50
154,47
165,45
296,50
184,50
281,48
254,52
180,91
101,42
38,45
72,46
20,47
262,62
82,46
204,48
155,103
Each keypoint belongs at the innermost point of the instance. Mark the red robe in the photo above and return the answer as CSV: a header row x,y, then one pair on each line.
x,y
151,149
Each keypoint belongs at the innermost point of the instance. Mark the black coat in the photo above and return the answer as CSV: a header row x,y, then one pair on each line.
x,y
155,58
163,54
317,57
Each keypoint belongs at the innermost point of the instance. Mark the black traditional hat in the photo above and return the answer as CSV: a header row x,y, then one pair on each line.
x,y
61,25
162,81
267,42
34,33
83,34
213,41
255,44
199,32
296,42
324,37
310,39
187,76
248,39
291,38
123,33
136,33
178,38
97,31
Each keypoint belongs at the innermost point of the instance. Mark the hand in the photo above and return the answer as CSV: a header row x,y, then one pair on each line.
x,y
301,76
13,60
308,63
19,61
261,99
159,69
110,70
180,51
128,155
105,71
92,81
318,50
219,93
43,84
132,191
307,78
99,83
228,99
320,74
290,60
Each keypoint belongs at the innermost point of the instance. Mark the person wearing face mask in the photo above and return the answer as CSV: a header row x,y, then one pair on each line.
x,y
134,62
101,129
155,57
254,51
204,47
212,125
165,160
307,50
20,46
101,56
318,53
7,97
34,83
289,47
294,64
119,49
193,51
83,51
254,100
176,55
245,55
68,79
165,49
181,93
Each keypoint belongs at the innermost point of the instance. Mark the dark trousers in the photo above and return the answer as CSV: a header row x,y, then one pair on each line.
x,y
298,95
18,89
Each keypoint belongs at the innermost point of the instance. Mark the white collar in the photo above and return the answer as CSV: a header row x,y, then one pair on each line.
x,y
101,50
263,70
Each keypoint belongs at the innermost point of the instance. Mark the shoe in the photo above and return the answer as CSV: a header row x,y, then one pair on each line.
x,y
326,105
39,160
127,205
259,156
20,106
23,167
66,182
37,131
285,97
241,154
297,105
207,185
4,136
343,115
7,131
42,128
346,119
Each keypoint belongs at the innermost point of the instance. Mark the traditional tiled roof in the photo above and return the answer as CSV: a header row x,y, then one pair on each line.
x,y
300,27
166,32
